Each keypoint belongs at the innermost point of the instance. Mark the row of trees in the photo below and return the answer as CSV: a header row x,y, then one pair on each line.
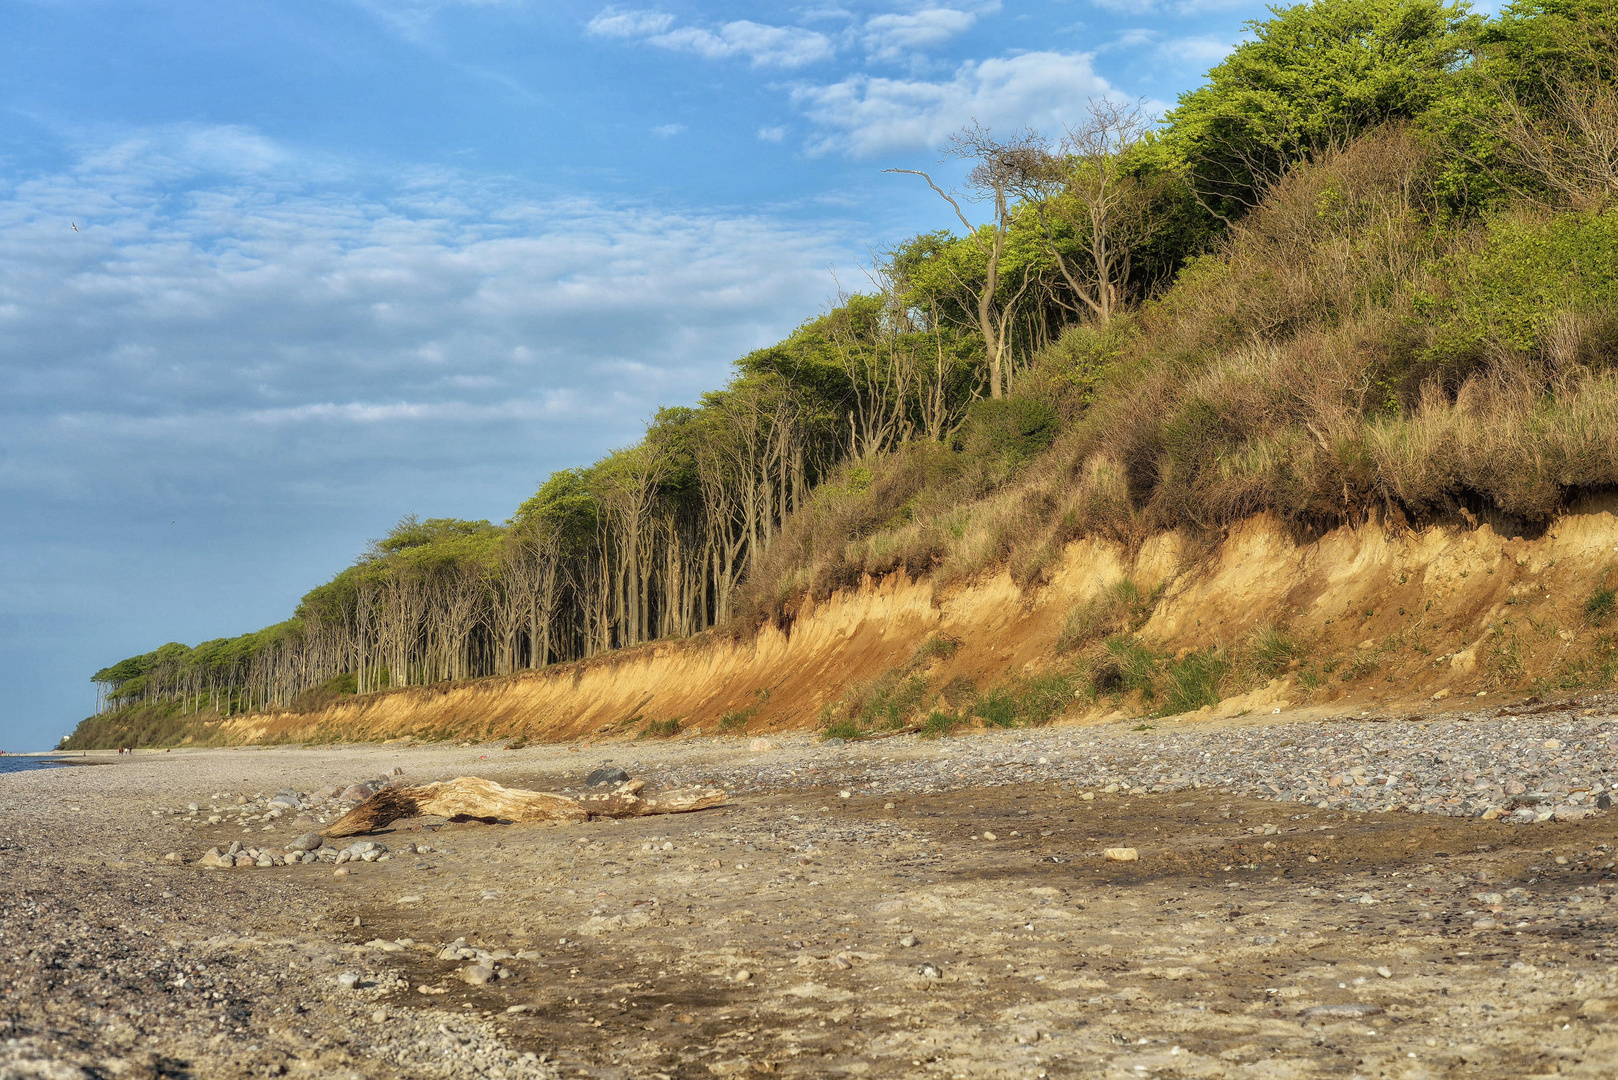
x,y
656,540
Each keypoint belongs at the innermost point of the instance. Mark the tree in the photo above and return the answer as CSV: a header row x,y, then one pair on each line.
x,y
1313,77
996,165
1093,211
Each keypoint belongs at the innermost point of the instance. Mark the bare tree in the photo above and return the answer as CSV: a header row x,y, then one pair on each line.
x,y
996,167
1084,190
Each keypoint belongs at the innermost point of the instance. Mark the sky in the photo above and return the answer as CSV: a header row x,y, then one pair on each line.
x,y
275,273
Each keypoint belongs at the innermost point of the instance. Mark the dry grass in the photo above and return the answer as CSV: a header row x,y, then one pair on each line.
x,y
1335,361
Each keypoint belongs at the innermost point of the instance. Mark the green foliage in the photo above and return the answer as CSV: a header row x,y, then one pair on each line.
x,y
1315,75
660,729
934,647
1117,609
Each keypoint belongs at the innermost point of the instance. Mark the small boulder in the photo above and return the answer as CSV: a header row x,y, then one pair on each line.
x,y
607,774
477,974
760,745
307,842
355,793
1122,854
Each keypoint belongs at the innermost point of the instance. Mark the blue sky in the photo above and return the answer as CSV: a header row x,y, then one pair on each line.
x,y
341,260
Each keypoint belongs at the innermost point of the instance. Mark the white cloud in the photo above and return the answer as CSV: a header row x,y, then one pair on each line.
x,y
1202,51
236,333
894,36
621,23
759,44
865,116
1177,7
668,131
772,134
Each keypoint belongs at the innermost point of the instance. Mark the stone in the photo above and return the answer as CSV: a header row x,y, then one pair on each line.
x,y
384,945
742,976
1442,694
835,740
607,774
929,971
348,980
1384,972
174,857
758,746
1604,801
909,941
307,842
1121,854
355,793
1353,1010
477,974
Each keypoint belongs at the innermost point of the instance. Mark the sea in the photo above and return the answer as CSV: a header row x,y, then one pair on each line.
x,y
9,764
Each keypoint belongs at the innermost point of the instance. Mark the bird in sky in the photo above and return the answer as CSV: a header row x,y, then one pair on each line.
x,y
75,225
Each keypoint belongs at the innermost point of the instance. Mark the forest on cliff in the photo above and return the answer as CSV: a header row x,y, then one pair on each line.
x,y
1370,265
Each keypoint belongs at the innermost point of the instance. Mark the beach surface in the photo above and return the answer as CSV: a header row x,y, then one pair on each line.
x,y
896,907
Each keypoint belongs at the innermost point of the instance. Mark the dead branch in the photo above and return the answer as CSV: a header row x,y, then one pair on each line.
x,y
485,800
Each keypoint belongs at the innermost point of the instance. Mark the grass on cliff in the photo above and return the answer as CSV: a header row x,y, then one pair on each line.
x,y
1350,350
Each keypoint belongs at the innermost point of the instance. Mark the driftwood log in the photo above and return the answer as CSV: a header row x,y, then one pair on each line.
x,y
485,800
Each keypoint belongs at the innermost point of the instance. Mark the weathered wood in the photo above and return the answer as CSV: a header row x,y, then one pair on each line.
x,y
485,800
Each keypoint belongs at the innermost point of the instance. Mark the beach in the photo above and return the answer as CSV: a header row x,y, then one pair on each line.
x,y
1329,897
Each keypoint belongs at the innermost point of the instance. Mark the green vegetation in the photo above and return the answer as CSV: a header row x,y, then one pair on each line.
x,y
1371,264
1601,604
661,729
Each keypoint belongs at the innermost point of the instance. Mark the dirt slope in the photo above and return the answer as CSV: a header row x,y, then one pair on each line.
x,y
1384,616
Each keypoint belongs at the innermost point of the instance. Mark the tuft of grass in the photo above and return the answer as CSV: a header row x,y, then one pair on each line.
x,y
842,729
661,729
1119,608
998,707
1269,650
940,723
935,647
736,719
1600,605
1193,681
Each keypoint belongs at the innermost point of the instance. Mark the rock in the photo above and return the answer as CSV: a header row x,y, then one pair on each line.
x,y
1442,694
348,980
307,842
1484,924
742,976
425,989
841,962
760,745
477,974
1569,813
326,793
380,1016
384,946
287,800
1384,972
1353,1010
929,971
909,941
174,857
408,900
835,740
355,793
1121,854
341,871
1603,801
607,774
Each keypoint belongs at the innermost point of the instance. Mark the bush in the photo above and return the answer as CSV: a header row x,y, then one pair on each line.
x,y
998,708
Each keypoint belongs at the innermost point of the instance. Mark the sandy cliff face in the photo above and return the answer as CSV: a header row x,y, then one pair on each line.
x,y
1384,615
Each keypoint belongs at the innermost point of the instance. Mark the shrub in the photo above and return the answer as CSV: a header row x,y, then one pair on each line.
x,y
1269,650
934,647
661,729
939,723
1119,608
998,707
842,729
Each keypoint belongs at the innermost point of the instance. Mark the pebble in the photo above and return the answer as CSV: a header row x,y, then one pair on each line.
x,y
909,941
1122,854
1353,1010
1487,762
348,980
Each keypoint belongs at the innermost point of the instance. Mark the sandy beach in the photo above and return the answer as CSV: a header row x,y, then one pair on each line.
x,y
891,908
